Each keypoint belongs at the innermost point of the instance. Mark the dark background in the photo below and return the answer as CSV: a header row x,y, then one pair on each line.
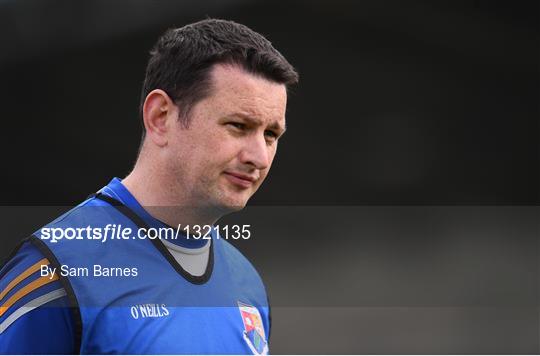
x,y
427,108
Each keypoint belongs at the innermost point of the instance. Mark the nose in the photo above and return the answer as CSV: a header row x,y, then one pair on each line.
x,y
256,153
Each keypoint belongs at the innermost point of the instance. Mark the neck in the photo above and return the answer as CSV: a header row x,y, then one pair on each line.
x,y
159,198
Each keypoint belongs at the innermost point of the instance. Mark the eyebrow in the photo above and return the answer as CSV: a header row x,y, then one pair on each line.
x,y
274,125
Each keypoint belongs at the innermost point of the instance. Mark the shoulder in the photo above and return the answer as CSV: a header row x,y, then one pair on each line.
x,y
233,254
26,284
84,223
24,273
90,210
238,264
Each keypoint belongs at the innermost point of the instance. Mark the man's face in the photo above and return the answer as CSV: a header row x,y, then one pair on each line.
x,y
224,155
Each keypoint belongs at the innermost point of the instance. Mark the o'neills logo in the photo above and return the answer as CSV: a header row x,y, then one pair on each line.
x,y
149,311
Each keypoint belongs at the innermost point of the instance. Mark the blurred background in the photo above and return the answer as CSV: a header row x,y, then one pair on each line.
x,y
401,212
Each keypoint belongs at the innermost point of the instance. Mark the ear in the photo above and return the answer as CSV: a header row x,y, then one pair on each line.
x,y
159,114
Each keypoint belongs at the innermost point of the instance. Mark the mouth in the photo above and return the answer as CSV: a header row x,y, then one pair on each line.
x,y
240,180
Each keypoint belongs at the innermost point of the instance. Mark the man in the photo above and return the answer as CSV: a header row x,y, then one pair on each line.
x,y
213,109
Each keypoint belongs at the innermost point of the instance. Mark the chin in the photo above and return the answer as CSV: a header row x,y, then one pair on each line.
x,y
232,204
232,207
227,201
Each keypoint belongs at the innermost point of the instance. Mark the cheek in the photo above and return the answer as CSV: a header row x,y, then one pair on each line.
x,y
263,175
225,151
213,159
272,155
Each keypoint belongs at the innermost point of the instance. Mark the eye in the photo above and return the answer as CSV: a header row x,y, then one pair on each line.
x,y
237,125
271,134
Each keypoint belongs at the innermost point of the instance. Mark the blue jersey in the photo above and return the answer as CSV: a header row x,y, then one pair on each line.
x,y
27,310
129,295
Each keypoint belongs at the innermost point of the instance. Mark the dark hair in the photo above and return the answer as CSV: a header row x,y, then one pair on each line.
x,y
181,61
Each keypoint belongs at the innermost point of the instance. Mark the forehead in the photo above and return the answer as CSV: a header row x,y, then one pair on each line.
x,y
236,91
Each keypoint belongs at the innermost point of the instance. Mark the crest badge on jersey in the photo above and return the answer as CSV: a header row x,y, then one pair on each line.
x,y
254,334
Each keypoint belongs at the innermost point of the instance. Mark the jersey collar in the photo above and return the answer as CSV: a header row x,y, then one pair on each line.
x,y
115,189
